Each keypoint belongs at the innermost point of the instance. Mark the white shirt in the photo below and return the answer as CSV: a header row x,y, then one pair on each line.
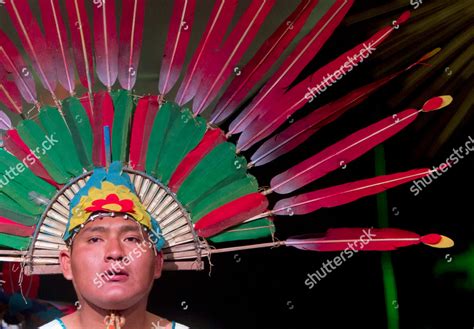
x,y
57,324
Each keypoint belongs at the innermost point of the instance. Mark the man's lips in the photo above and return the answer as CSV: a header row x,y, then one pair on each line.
x,y
117,275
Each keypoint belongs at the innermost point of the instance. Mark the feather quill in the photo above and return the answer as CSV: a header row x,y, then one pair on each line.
x,y
382,239
81,42
341,194
221,17
56,36
263,60
13,63
305,51
231,53
33,41
179,34
298,96
105,42
344,151
130,42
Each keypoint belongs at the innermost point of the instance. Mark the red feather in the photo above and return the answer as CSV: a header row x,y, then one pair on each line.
x,y
211,139
10,227
298,96
225,61
231,214
307,48
103,115
338,239
81,41
263,60
86,101
179,34
105,42
130,43
302,129
13,63
9,94
143,119
16,146
56,37
341,194
33,41
221,17
344,151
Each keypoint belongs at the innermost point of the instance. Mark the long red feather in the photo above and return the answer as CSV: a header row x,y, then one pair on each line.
x,y
298,96
13,63
179,34
221,17
106,42
355,239
231,214
9,93
81,42
302,129
33,41
307,48
10,227
263,60
341,194
344,151
143,119
225,61
13,143
130,43
103,115
210,140
56,37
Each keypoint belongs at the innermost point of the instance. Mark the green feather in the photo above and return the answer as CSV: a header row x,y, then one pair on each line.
x,y
34,137
256,229
123,109
15,242
81,130
54,124
221,196
23,175
219,167
12,210
167,113
183,135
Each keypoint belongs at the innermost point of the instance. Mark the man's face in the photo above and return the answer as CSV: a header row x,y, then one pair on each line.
x,y
112,263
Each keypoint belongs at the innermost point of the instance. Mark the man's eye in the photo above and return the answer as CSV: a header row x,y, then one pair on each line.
x,y
93,240
133,239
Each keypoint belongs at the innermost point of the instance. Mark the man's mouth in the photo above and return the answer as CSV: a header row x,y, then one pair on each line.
x,y
118,275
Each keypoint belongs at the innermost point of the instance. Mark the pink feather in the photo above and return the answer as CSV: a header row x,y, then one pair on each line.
x,y
179,34
307,48
103,115
356,239
33,41
56,37
302,129
143,119
231,214
105,42
81,41
263,60
130,43
10,227
9,96
225,61
221,17
341,194
344,151
298,96
13,63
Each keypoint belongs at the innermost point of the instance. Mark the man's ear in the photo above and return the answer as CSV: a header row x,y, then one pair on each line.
x,y
65,263
158,264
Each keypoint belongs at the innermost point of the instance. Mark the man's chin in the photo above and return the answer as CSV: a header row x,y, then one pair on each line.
x,y
116,299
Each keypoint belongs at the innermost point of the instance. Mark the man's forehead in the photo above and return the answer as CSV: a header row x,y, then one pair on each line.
x,y
108,223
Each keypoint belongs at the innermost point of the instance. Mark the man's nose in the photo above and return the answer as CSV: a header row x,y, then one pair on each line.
x,y
114,250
